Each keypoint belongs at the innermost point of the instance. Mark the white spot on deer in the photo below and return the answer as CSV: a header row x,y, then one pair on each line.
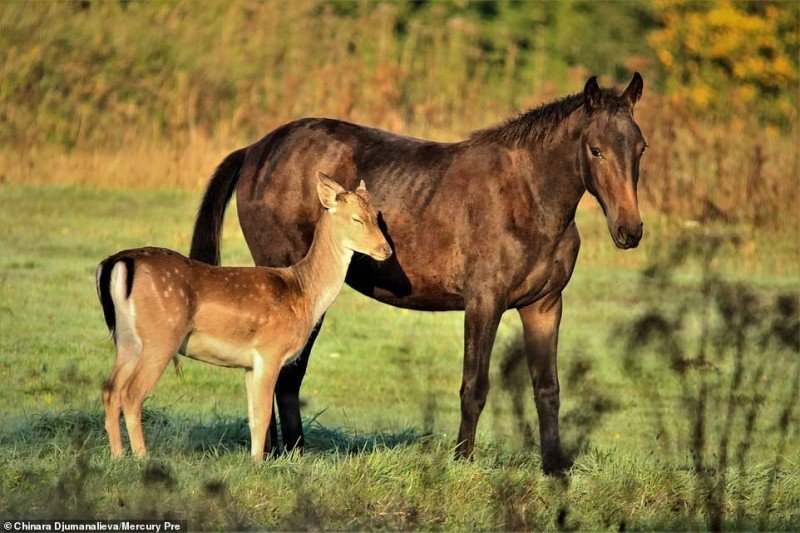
x,y
176,270
166,294
182,292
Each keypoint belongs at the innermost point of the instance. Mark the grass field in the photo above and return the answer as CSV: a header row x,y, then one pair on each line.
x,y
381,395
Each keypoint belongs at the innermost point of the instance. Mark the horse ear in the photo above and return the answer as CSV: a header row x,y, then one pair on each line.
x,y
361,190
633,92
328,191
591,94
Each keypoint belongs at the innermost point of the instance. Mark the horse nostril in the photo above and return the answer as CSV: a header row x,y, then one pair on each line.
x,y
621,235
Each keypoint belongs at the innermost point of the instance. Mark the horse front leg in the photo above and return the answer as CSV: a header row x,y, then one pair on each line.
x,y
540,322
481,319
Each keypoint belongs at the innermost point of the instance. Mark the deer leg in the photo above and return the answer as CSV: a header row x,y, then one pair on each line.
x,y
248,381
482,317
251,417
148,370
123,367
540,322
261,387
287,394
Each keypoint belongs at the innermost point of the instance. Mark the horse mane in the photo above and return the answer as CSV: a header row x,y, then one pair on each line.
x,y
541,123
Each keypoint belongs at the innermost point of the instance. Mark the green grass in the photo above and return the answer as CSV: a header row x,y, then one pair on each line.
x,y
381,397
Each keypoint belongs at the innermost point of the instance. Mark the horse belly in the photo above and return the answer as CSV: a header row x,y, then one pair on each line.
x,y
422,274
422,294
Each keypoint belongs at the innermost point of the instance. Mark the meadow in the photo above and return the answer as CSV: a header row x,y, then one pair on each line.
x,y
381,395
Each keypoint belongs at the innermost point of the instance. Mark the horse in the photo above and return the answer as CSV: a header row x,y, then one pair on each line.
x,y
483,225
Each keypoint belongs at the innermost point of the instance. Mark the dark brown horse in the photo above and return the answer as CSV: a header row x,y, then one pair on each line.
x,y
484,225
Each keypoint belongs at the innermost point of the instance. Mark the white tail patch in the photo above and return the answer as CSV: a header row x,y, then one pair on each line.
x,y
123,308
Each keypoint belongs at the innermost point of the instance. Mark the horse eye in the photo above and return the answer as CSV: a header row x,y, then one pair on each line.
x,y
596,152
356,219
645,147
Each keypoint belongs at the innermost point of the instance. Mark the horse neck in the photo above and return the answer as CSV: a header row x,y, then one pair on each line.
x,y
322,271
557,179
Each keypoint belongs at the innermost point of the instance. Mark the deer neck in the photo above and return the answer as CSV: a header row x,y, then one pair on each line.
x,y
322,271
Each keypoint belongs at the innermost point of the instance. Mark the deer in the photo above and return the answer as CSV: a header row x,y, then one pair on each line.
x,y
159,304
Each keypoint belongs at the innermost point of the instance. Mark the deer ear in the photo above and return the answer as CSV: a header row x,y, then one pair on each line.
x,y
328,191
591,94
361,190
633,92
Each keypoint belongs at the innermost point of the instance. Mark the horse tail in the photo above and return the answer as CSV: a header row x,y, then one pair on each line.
x,y
208,224
108,300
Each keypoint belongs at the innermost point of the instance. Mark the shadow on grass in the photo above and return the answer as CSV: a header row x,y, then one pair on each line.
x,y
216,436
594,402
81,486
732,353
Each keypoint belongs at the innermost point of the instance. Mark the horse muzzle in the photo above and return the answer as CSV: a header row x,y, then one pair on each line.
x,y
627,236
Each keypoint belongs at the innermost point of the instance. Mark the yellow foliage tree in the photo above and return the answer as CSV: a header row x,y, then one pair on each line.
x,y
730,57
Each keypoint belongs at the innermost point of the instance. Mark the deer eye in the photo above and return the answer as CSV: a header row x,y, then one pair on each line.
x,y
596,152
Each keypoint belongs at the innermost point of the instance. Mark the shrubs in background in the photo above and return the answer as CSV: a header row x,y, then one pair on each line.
x,y
87,90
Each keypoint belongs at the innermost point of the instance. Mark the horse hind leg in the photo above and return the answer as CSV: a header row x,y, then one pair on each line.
x,y
287,395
